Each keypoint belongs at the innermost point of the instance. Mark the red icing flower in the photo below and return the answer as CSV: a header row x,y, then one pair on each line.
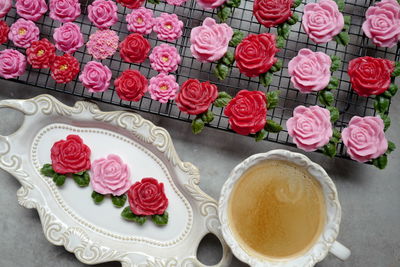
x,y
147,197
247,112
271,13
131,85
369,75
41,54
4,29
195,97
64,68
133,4
255,55
70,155
134,49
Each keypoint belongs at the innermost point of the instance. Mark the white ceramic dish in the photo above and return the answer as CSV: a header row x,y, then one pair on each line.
x,y
97,233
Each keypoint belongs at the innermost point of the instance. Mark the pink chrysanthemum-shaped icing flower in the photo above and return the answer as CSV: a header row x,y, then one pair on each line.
x,y
31,9
13,63
68,37
65,10
140,20
5,6
168,27
163,87
165,58
95,77
103,13
103,44
176,2
23,32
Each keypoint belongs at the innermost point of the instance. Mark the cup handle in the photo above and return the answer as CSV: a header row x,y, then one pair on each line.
x,y
340,251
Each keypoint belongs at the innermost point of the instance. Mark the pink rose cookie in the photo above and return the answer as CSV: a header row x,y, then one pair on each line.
x,y
13,63
95,77
65,10
103,13
103,44
322,21
382,23
176,2
31,9
68,37
210,4
5,6
140,20
365,138
168,27
163,87
165,58
310,71
23,32
210,41
310,128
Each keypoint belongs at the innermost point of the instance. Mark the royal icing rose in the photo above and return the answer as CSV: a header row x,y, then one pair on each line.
x,y
68,38
103,44
247,112
134,49
176,2
365,138
5,6
310,128
140,20
41,54
210,4
255,55
382,23
196,97
163,87
131,85
23,32
64,68
210,41
165,58
310,71
13,63
31,9
103,13
110,175
65,10
168,27
133,4
4,30
147,197
95,77
271,13
369,75
322,21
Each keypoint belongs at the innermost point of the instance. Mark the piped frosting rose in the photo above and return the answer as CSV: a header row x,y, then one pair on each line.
x,y
134,48
140,20
163,87
4,30
31,9
41,54
13,63
131,85
23,32
133,4
68,37
64,68
65,10
95,77
165,58
103,13
168,27
5,6
102,44
271,13
210,4
176,2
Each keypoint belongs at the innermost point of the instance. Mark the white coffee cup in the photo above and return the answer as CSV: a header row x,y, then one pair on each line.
x,y
325,243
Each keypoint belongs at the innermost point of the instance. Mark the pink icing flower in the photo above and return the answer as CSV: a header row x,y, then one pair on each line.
x,y
168,27
163,87
176,2
382,23
165,58
31,9
365,138
103,13
23,32
5,6
209,4
68,37
65,10
110,176
13,63
310,128
210,41
310,71
140,20
95,77
322,21
103,44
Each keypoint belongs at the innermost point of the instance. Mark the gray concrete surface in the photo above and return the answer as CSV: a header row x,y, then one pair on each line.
x,y
370,198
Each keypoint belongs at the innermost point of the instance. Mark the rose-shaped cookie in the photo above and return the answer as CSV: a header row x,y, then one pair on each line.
x,y
5,6
4,30
64,68
165,58
95,77
13,63
140,20
103,13
110,176
370,76
195,97
134,49
176,2
68,38
247,112
271,13
365,138
210,41
147,197
168,27
255,55
209,4
31,9
131,85
322,21
41,54
310,71
102,44
133,4
163,87
382,23
310,128
65,10
23,32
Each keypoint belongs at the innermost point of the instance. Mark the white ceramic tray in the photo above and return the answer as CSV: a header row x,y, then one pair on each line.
x,y
97,233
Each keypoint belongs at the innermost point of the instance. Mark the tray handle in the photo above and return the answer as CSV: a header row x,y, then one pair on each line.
x,y
25,106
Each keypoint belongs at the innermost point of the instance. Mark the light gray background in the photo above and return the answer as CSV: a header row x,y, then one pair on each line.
x,y
370,198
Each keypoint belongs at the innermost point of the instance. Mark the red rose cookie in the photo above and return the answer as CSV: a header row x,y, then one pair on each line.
x,y
4,30
41,54
133,4
64,68
271,13
134,49
131,85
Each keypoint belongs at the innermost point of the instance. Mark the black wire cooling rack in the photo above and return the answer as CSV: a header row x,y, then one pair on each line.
x,y
348,103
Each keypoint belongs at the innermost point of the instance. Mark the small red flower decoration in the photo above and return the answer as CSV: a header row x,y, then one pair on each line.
x,y
64,68
134,49
271,13
131,85
41,54
4,30
133,4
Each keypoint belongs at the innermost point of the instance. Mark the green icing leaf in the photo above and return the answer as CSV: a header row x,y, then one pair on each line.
x,y
233,3
59,179
284,30
347,20
228,58
197,125
381,104
127,214
207,116
340,4
391,147
336,63
329,150
272,99
236,38
221,71
296,3
396,71
82,180
261,135
380,162
334,113
280,42
160,219
293,19
277,66
325,97
222,99
393,88
386,122
333,83
97,197
119,201
337,134
47,170
272,127
342,38
155,2
266,78
223,13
